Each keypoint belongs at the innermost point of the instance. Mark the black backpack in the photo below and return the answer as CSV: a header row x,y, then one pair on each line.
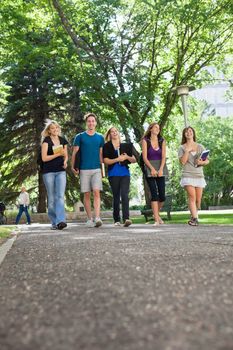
x,y
141,161
2,207
39,160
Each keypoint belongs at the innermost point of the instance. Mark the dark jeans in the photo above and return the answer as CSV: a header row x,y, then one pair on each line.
x,y
21,210
157,188
120,190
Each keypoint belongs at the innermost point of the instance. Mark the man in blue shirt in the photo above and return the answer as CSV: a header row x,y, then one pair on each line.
x,y
90,144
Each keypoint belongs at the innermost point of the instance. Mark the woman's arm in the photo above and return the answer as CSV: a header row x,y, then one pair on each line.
x,y
65,156
45,157
131,159
163,161
202,162
183,160
121,158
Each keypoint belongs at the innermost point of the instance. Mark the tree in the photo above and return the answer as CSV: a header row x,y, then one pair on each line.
x,y
35,89
134,53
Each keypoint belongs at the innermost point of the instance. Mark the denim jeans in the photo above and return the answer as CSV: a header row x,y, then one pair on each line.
x,y
120,190
55,184
22,209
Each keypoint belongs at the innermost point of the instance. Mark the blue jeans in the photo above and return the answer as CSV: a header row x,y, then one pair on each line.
x,y
55,184
22,209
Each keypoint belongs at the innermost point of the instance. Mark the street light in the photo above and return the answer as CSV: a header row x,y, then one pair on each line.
x,y
183,91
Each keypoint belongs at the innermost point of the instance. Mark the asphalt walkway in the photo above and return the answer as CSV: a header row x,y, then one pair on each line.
x,y
136,288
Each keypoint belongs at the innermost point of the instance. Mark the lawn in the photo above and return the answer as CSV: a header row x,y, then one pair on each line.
x,y
5,232
181,218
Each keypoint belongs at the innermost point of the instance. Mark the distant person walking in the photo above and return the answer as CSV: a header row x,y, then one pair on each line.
x,y
192,178
54,157
90,144
118,156
154,157
23,203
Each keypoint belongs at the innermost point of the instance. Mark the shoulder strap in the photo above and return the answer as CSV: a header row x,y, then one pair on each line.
x,y
148,144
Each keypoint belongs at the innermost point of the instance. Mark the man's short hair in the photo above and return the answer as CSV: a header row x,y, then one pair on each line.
x,y
86,116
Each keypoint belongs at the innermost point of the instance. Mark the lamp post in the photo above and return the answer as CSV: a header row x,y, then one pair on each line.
x,y
183,91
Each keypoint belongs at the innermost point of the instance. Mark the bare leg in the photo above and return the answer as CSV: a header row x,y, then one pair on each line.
x,y
199,192
191,200
96,194
155,209
160,205
87,204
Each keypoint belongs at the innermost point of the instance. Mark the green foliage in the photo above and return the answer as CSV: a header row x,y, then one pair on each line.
x,y
118,58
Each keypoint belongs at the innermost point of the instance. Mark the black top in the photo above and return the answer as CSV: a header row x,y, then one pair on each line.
x,y
110,152
56,164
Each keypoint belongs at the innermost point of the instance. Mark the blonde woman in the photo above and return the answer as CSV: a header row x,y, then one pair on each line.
x,y
117,156
54,156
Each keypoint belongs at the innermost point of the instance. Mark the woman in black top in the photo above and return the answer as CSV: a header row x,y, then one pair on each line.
x,y
54,157
117,156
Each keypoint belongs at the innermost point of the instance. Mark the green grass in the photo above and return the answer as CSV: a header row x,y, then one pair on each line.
x,y
5,232
181,218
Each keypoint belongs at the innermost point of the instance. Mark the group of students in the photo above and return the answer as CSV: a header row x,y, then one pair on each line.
x,y
94,150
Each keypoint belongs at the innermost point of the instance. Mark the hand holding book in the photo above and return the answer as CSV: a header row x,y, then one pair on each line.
x,y
58,150
204,154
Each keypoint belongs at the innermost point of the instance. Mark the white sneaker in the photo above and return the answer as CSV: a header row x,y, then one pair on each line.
x,y
90,223
98,222
156,223
117,223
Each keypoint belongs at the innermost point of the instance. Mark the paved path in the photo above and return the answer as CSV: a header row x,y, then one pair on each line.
x,y
141,288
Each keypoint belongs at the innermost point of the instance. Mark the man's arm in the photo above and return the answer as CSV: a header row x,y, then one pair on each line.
x,y
75,150
101,155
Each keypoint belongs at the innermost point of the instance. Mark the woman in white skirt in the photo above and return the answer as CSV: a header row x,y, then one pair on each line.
x,y
192,178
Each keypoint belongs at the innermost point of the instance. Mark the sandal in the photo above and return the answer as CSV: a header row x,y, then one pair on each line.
x,y
161,221
193,222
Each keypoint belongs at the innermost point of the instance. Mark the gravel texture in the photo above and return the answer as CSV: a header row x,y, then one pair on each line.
x,y
138,288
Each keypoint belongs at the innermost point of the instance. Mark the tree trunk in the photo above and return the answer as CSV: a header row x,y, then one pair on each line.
x,y
41,206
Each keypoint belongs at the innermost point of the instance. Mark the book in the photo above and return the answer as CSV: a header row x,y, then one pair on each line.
x,y
58,149
103,169
204,154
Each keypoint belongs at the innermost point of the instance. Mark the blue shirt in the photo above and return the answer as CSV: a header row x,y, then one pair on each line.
x,y
89,149
118,170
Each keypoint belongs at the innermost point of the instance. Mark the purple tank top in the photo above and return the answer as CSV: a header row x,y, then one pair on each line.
x,y
154,154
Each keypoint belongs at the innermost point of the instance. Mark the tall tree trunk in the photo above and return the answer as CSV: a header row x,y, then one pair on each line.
x,y
41,206
41,113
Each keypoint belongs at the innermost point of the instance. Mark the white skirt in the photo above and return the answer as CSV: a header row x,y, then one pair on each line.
x,y
193,181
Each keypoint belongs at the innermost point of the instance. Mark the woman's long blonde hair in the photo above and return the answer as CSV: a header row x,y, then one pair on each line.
x,y
108,134
46,131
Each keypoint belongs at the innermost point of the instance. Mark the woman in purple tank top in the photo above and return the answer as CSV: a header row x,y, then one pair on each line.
x,y
154,157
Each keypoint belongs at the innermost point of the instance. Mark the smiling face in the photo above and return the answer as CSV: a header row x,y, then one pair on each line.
x,y
91,123
155,129
189,133
54,130
114,134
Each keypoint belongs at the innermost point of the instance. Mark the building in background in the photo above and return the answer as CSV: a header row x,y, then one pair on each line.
x,y
217,97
